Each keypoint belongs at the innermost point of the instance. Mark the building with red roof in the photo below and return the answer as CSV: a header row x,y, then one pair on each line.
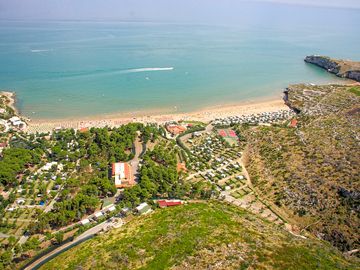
x,y
175,129
293,123
169,203
181,167
83,130
121,172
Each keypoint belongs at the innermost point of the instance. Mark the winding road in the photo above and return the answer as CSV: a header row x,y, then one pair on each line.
x,y
81,238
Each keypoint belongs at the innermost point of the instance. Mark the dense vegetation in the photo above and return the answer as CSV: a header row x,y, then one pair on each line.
x,y
89,156
14,162
200,236
85,159
311,173
159,179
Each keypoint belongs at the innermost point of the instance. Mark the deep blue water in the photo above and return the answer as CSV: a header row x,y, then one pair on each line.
x,y
69,69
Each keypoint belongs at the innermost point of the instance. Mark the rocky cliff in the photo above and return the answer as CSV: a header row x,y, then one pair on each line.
x,y
342,68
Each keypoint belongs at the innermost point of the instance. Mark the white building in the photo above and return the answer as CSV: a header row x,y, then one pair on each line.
x,y
16,122
121,172
98,214
143,208
85,221
111,208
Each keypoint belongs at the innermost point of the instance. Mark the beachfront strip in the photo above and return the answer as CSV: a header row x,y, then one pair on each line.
x,y
253,114
255,119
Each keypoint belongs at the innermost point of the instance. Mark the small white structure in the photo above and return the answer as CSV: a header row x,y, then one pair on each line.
x,y
16,122
98,214
125,209
227,188
143,208
20,201
48,166
14,119
111,208
85,221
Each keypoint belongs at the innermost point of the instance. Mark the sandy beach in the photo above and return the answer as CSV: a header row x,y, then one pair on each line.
x,y
204,115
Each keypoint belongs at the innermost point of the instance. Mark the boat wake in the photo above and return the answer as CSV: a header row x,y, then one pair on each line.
x,y
96,73
39,51
135,70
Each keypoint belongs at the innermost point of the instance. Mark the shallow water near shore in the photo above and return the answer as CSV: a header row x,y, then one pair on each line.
x,y
77,69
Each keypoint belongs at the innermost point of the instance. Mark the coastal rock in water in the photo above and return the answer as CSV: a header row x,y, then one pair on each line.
x,y
341,68
354,75
323,62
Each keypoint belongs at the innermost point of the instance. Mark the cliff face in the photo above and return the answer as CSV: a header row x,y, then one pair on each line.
x,y
354,75
341,68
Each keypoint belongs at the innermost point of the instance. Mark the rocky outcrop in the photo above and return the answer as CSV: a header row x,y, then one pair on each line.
x,y
341,68
353,75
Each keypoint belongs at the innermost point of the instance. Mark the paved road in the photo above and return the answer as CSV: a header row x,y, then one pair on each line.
x,y
136,160
55,252
29,206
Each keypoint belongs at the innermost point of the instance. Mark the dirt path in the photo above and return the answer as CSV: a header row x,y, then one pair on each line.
x,y
251,201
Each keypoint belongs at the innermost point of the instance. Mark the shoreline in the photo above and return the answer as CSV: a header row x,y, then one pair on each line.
x,y
207,114
270,104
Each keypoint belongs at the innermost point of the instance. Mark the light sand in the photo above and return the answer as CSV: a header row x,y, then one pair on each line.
x,y
204,115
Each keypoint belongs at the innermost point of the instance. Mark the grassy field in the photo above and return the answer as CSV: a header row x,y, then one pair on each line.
x,y
200,236
355,90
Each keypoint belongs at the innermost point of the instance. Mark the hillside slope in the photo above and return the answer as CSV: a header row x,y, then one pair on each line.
x,y
199,236
311,172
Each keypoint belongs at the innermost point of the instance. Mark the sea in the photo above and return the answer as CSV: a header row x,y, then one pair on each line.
x,y
70,69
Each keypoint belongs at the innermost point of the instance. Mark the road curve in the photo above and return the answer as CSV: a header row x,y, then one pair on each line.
x,y
81,238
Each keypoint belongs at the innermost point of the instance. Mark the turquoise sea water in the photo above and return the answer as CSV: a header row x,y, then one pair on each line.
x,y
71,69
